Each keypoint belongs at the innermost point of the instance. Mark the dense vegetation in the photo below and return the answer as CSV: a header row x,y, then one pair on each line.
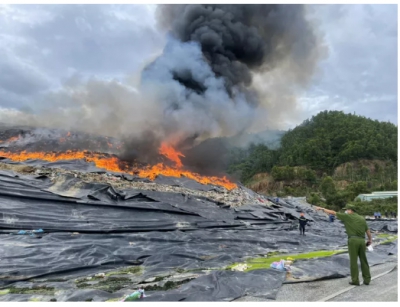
x,y
332,138
331,158
384,206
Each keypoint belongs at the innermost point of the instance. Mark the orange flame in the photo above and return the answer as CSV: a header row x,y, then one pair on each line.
x,y
160,169
101,161
171,154
114,164
11,139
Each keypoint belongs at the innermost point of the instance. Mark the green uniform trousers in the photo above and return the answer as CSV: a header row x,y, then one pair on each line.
x,y
357,249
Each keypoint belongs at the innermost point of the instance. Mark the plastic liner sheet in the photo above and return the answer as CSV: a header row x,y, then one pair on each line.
x,y
393,248
337,266
383,225
225,286
94,227
22,256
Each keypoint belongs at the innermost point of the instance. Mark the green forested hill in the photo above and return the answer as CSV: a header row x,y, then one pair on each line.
x,y
321,143
354,153
332,138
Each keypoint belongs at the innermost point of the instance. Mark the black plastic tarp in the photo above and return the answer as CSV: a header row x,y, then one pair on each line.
x,y
225,286
336,266
90,227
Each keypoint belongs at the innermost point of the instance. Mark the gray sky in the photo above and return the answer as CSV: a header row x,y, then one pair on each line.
x,y
43,47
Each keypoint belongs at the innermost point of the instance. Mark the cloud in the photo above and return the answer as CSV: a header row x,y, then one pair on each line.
x,y
21,77
97,39
360,74
42,46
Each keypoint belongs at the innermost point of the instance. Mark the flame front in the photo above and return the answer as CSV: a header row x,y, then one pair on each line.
x,y
161,169
171,153
112,163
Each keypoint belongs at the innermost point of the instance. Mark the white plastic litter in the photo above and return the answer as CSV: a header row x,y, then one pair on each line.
x,y
240,267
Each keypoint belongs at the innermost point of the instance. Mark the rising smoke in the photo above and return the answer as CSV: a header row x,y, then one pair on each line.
x,y
223,69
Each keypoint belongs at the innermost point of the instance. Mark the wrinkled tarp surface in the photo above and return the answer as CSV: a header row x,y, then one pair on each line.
x,y
226,286
90,228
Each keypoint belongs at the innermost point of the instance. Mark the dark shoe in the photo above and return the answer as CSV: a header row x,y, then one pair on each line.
x,y
366,283
353,283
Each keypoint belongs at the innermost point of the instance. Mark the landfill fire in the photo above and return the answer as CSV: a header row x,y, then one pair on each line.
x,y
112,163
220,72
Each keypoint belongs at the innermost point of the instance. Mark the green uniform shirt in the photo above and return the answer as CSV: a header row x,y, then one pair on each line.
x,y
355,224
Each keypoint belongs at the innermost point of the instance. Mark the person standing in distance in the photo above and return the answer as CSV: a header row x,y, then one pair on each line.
x,y
302,224
356,228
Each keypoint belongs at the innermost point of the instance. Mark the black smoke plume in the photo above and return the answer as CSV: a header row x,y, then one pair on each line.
x,y
205,73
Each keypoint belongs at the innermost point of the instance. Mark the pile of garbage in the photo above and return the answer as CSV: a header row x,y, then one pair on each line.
x,y
234,198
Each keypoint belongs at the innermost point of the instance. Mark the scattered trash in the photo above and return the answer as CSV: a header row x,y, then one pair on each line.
x,y
288,264
240,267
100,275
139,294
282,265
279,265
29,232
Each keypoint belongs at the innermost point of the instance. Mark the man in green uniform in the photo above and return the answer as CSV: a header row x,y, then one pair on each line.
x,y
356,227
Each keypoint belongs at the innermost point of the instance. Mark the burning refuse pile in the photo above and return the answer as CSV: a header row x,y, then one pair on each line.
x,y
19,148
235,198
20,155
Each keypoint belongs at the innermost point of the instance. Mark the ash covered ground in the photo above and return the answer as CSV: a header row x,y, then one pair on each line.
x,y
106,234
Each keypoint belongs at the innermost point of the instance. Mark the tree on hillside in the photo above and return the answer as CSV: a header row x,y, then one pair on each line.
x,y
327,187
357,188
256,159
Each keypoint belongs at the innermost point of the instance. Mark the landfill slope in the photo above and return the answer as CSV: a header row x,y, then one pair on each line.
x,y
99,236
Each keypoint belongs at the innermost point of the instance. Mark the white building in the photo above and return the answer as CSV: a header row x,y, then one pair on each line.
x,y
377,195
